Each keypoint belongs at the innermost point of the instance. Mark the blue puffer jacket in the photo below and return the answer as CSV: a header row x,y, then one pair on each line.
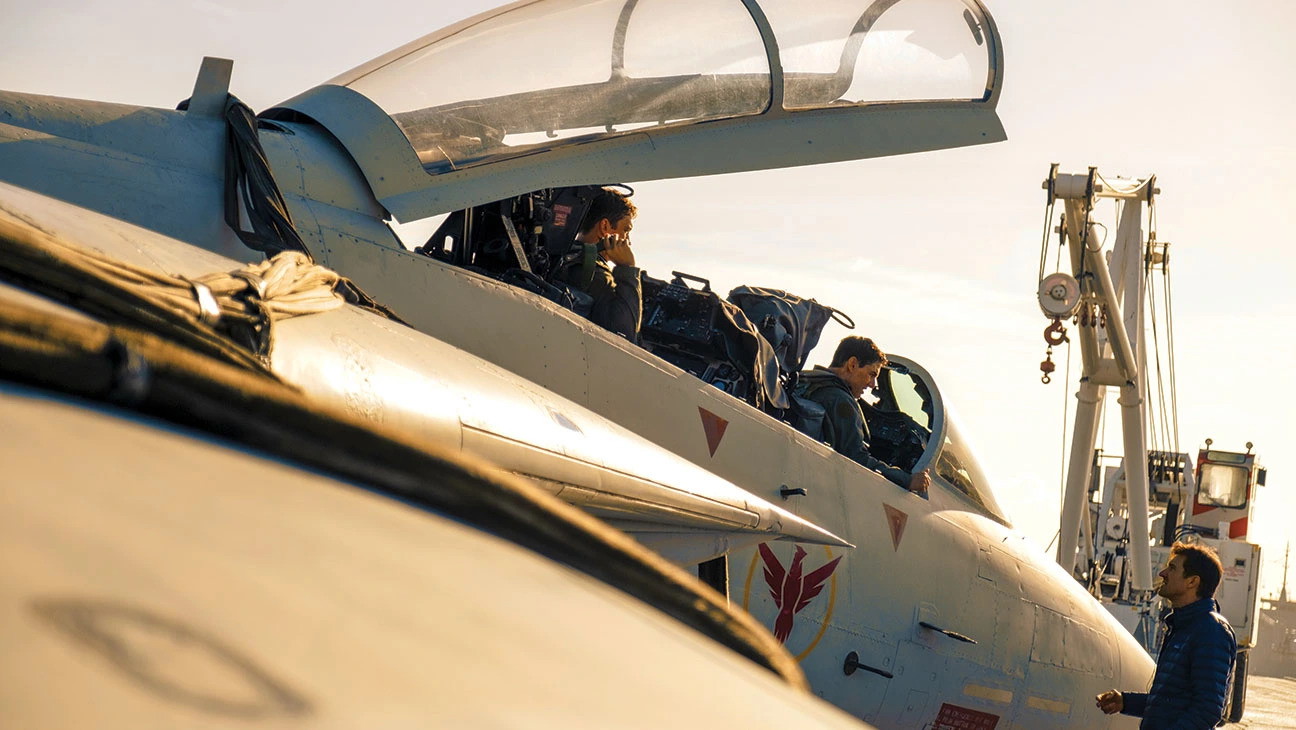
x,y
1193,672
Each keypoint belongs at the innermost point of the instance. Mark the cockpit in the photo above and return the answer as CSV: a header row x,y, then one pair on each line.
x,y
751,343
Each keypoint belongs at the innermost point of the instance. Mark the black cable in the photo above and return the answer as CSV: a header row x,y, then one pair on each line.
x,y
250,188
249,182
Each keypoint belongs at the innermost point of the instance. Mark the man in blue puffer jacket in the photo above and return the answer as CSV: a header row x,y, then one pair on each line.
x,y
1191,684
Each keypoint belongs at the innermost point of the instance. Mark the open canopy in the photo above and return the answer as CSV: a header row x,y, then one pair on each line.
x,y
552,77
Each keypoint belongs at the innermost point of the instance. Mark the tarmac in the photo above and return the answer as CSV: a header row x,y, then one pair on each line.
x,y
1270,704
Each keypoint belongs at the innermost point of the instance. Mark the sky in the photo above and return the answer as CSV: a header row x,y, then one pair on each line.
x,y
934,255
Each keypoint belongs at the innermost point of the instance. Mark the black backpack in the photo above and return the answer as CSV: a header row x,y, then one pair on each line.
x,y
790,324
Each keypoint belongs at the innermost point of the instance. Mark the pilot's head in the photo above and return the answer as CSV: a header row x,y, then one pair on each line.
x,y
610,214
1193,573
858,361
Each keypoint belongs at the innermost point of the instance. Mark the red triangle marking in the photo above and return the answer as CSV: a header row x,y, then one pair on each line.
x,y
715,428
896,521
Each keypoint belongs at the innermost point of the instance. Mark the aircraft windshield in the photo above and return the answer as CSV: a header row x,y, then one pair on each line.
x,y
544,74
958,467
911,397
901,414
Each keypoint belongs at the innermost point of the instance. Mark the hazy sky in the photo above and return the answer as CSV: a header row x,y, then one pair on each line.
x,y
934,255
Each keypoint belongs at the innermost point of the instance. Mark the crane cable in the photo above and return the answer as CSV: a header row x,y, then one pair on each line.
x,y
1066,381
1048,225
1168,407
1169,315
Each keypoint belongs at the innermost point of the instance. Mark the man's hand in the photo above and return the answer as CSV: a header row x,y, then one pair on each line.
x,y
616,249
1110,702
919,482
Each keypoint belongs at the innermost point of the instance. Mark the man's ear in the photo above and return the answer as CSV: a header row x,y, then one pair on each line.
x,y
1194,582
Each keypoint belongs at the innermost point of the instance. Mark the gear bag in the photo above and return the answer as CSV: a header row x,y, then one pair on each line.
x,y
789,323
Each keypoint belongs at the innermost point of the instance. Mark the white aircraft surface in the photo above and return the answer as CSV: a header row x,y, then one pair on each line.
x,y
187,543
939,617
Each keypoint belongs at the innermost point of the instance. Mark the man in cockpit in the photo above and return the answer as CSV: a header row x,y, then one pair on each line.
x,y
855,367
605,242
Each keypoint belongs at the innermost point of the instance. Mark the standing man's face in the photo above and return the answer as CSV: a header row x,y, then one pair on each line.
x,y
1175,586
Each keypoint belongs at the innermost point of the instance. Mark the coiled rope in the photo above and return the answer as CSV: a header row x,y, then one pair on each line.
x,y
225,314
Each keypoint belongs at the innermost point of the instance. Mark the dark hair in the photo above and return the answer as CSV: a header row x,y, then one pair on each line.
x,y
864,350
610,204
1203,562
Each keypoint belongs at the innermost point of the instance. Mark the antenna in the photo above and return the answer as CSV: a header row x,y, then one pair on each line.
x,y
1282,597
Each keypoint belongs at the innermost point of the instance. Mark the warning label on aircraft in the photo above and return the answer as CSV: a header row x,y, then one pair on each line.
x,y
953,717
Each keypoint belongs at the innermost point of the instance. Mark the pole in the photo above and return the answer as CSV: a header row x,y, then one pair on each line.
x,y
1136,486
1079,471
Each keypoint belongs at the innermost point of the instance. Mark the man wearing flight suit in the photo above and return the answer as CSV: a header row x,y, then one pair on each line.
x,y
855,367
1191,684
605,239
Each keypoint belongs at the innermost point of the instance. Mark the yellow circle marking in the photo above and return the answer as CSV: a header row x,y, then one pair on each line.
x,y
832,600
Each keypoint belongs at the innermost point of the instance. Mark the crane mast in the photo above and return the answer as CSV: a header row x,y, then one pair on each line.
x,y
1111,337
1153,497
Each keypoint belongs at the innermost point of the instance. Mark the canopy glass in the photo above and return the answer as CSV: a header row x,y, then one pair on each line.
x,y
539,75
904,388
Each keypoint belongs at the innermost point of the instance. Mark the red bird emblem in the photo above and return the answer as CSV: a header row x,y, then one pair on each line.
x,y
792,592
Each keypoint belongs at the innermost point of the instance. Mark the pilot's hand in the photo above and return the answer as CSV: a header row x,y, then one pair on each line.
x,y
919,482
616,249
1110,702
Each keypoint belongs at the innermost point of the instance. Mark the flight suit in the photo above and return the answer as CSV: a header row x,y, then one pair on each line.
x,y
617,294
843,425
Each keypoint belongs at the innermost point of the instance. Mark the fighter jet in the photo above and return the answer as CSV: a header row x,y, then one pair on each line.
x,y
941,615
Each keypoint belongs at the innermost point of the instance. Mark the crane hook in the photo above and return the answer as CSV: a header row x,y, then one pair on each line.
x,y
1047,367
1055,334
